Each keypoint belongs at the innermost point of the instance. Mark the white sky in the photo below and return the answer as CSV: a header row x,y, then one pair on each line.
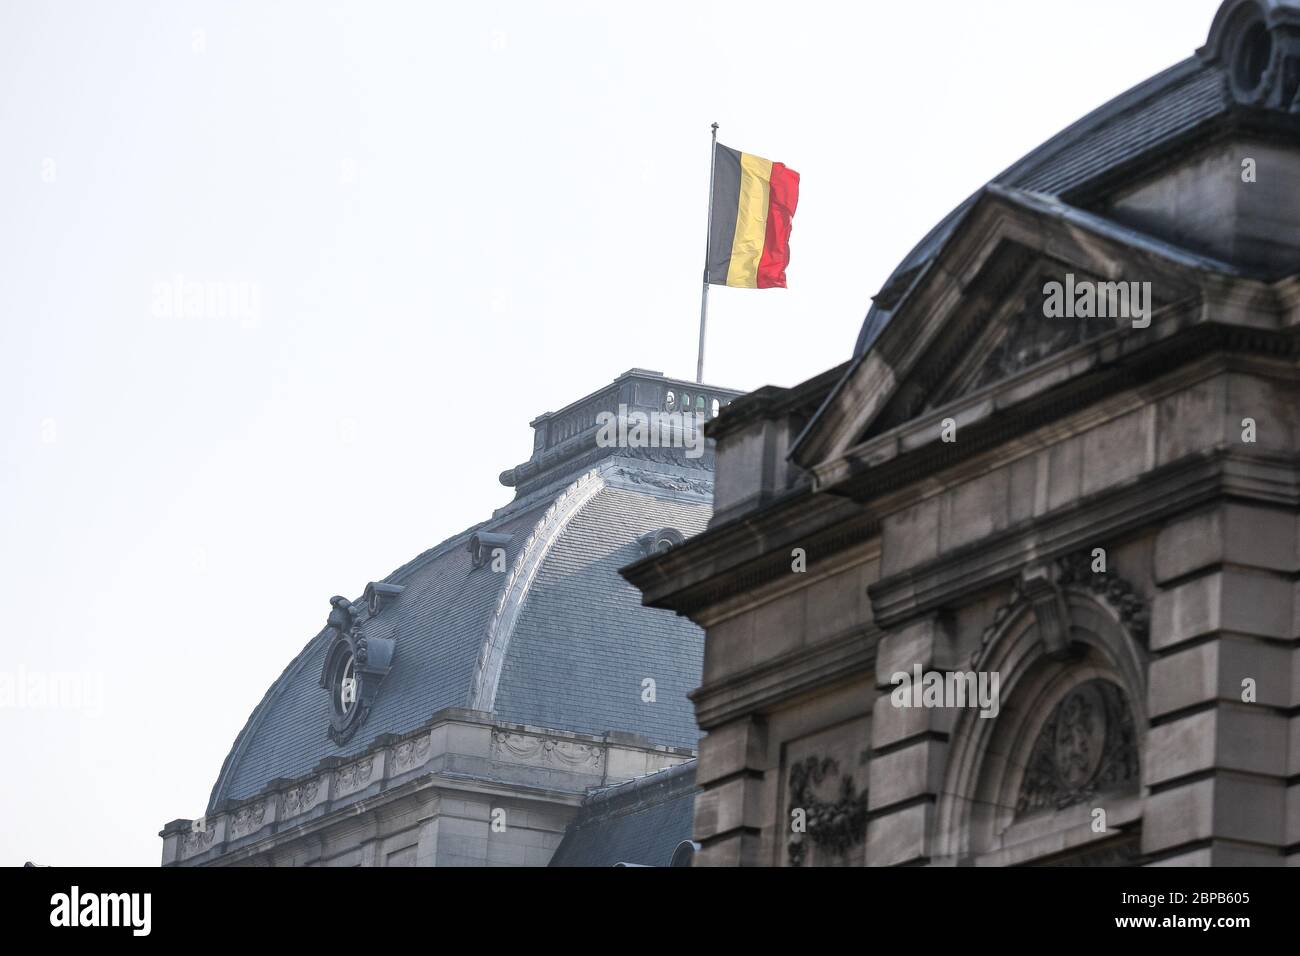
x,y
456,217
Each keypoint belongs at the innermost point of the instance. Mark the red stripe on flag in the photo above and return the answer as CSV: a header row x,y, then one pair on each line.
x,y
783,196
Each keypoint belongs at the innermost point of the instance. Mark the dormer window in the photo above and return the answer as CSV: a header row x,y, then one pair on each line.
x,y
355,664
485,546
379,595
660,540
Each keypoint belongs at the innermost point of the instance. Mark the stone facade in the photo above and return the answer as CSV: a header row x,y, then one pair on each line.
x,y
1101,515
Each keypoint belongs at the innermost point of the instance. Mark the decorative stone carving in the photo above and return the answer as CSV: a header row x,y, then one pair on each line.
x,y
1087,746
196,841
567,753
1076,571
300,798
1040,586
1263,58
831,826
1043,588
699,486
355,661
247,819
1030,337
409,753
354,776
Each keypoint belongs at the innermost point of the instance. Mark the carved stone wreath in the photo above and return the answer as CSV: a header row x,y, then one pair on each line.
x,y
1087,746
833,827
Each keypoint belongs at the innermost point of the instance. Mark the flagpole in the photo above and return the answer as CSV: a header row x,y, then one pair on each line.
x,y
708,249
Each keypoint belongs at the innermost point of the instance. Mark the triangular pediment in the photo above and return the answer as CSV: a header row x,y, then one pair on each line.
x,y
982,311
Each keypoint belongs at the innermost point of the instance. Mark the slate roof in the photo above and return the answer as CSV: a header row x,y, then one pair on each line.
x,y
1151,116
580,645
585,643
641,821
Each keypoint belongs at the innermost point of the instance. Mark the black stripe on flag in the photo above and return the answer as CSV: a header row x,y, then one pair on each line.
x,y
726,202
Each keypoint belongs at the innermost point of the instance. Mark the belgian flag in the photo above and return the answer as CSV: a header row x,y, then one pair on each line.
x,y
749,228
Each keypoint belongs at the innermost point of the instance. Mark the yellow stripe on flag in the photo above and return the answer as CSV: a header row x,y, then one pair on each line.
x,y
751,222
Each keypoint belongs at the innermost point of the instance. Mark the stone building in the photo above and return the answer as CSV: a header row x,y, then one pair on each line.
x,y
460,710
1063,457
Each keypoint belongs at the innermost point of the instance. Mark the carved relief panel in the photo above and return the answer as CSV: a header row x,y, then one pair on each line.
x,y
823,806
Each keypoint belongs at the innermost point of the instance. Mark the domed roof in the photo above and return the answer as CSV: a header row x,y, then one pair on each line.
x,y
1237,71
525,615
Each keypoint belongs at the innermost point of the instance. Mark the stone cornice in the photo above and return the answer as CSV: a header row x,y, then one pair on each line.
x,y
884,473
990,420
1098,520
750,551
808,668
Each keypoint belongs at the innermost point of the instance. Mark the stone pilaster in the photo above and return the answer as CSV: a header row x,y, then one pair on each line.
x,y
1222,684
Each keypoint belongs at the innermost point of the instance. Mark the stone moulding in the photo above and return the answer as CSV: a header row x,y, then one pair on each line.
x,y
527,564
1036,676
391,766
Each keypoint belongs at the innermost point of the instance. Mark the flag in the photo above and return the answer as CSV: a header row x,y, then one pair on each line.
x,y
753,206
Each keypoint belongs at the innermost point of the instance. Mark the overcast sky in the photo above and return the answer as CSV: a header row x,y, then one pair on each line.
x,y
435,221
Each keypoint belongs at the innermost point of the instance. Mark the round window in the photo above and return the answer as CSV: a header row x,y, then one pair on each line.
x,y
345,685
1254,50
